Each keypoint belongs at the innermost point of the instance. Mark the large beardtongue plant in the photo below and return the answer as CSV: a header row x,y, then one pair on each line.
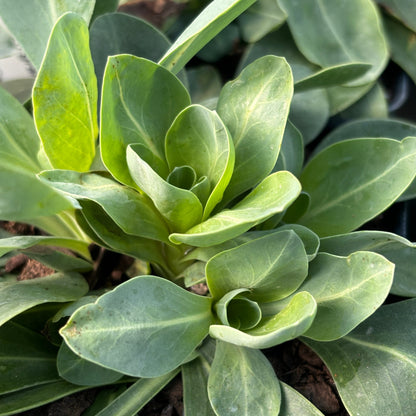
x,y
213,192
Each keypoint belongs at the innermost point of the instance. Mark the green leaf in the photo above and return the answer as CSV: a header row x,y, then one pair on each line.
x,y
326,33
76,370
107,233
402,45
117,33
271,267
25,197
18,296
293,403
376,362
198,138
361,197
260,19
136,396
32,397
65,96
32,241
204,84
195,395
19,142
270,197
289,323
396,249
133,212
31,22
141,317
242,382
342,97
333,75
180,207
347,290
215,17
254,107
104,7
403,10
27,359
140,100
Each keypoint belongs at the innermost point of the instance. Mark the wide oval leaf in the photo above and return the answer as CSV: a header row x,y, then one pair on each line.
x,y
347,291
141,317
65,96
293,403
273,195
198,138
291,322
362,196
242,382
140,100
374,365
271,267
254,107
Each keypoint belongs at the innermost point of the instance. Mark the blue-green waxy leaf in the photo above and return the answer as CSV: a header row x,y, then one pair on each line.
x,y
337,191
76,370
403,10
271,267
24,197
133,212
254,107
19,142
374,365
140,100
27,359
270,197
65,96
198,138
31,22
397,249
326,32
127,329
215,17
18,296
293,403
242,382
181,207
347,290
288,324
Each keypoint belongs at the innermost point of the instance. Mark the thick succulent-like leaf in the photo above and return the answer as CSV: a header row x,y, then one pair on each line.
x,y
25,197
260,19
181,207
76,370
254,107
129,402
204,84
326,33
65,96
198,138
18,296
271,267
215,17
403,10
374,365
140,100
104,7
133,324
291,322
271,196
107,233
397,249
293,403
403,49
242,382
19,142
336,190
32,22
31,241
133,212
347,290
27,359
195,395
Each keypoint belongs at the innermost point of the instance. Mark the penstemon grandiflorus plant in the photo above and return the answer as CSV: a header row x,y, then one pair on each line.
x,y
216,196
